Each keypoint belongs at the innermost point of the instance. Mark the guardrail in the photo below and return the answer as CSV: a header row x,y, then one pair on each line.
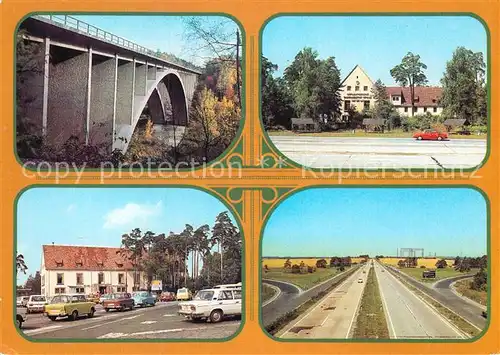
x,y
93,31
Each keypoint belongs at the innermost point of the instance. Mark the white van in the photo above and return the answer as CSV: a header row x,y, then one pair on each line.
x,y
36,303
214,303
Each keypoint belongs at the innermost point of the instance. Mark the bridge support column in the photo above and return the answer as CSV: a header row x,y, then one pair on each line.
x,y
125,93
103,91
152,72
140,79
67,98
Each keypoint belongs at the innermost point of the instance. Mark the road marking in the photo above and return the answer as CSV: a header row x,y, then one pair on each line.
x,y
286,283
112,336
149,322
357,306
114,321
386,309
277,293
151,332
51,327
169,315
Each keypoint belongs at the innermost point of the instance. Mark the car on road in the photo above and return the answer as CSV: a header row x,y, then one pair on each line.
x,y
167,297
485,314
119,301
70,306
213,304
36,303
104,298
143,298
94,298
19,301
23,302
184,294
20,317
430,134
360,281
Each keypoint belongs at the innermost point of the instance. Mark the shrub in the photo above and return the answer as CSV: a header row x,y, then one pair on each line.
x,y
321,263
480,281
295,269
311,269
422,267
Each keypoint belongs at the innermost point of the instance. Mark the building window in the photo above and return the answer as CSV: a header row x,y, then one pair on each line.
x,y
435,109
79,279
395,98
347,105
366,105
100,278
137,278
415,109
365,88
60,279
120,279
356,88
348,88
425,109
121,289
80,290
406,109
60,290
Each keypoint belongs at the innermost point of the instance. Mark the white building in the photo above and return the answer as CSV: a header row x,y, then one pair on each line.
x,y
356,91
81,269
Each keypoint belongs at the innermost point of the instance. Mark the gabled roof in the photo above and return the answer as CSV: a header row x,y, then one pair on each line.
x,y
427,96
353,69
68,257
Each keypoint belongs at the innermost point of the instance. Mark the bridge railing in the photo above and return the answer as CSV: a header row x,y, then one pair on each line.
x,y
88,29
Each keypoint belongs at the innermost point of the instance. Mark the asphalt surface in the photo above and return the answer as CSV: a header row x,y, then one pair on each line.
x,y
292,297
158,322
377,153
407,315
333,316
441,293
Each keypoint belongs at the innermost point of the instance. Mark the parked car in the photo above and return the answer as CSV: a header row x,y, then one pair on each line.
x,y
360,281
183,294
20,317
484,314
167,297
24,301
430,134
93,298
71,306
213,304
119,301
36,303
104,298
19,301
143,298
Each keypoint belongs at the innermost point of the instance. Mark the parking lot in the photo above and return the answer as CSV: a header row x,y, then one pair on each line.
x,y
154,322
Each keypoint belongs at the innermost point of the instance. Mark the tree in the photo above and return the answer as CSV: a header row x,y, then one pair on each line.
x,y
133,248
383,108
464,91
401,263
441,264
480,281
321,264
288,264
410,72
20,264
34,283
228,238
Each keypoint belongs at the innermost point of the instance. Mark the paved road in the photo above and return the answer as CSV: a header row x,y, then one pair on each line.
x,y
446,297
376,153
291,297
407,315
160,321
445,288
333,316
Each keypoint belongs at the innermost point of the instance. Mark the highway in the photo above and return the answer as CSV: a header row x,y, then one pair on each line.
x,y
407,315
377,153
158,322
334,315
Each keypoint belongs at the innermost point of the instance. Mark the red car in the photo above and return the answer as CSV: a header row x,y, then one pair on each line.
x,y
167,297
119,301
430,134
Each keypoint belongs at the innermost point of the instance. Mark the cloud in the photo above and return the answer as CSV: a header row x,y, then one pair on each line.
x,y
71,208
131,213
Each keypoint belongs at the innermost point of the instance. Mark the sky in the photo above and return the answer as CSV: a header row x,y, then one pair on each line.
x,y
377,221
99,216
166,33
376,43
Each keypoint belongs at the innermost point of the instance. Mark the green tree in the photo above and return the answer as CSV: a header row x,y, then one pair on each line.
x,y
410,72
321,263
464,91
441,264
34,283
21,264
383,108
227,237
133,247
480,281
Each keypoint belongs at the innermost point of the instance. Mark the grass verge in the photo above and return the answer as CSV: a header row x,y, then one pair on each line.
x,y
267,292
451,316
285,319
361,133
416,273
463,287
304,281
371,322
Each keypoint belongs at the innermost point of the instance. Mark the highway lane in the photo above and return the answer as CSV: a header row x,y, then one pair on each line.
x,y
380,152
160,321
407,315
333,316
465,309
445,287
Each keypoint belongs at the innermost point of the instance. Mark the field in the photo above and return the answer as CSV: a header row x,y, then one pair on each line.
x,y
361,133
427,262
416,273
463,288
304,281
279,262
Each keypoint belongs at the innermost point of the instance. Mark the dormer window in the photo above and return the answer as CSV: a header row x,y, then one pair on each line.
x,y
395,97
